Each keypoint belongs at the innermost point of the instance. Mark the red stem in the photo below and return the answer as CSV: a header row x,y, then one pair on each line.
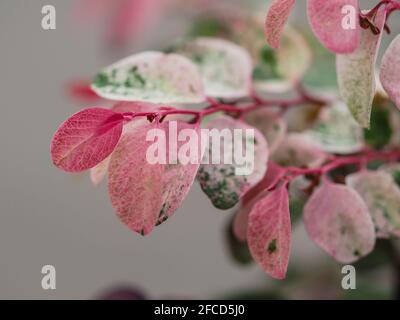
x,y
337,162
214,106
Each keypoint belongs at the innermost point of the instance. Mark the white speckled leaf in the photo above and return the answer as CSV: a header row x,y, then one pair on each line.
x,y
382,196
337,219
356,74
271,124
336,131
151,77
220,181
225,67
390,71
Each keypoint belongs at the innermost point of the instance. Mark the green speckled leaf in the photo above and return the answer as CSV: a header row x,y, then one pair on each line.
x,y
220,182
151,77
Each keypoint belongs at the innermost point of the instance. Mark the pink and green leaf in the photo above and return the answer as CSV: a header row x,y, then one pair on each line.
x,y
382,196
336,131
272,177
337,220
269,232
151,77
225,67
219,181
356,73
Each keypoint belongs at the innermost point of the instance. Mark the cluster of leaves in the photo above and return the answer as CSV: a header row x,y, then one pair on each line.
x,y
304,156
356,47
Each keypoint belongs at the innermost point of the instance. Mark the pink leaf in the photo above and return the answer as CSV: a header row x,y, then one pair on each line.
x,y
277,16
142,193
132,17
82,91
85,139
272,176
269,232
326,19
337,219
390,71
99,172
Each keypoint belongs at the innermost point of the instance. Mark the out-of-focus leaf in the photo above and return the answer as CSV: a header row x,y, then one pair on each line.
x,y
336,131
382,196
390,71
337,219
238,250
380,132
298,150
280,70
226,68
270,123
277,16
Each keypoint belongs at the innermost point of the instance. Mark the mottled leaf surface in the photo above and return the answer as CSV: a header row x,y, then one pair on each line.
x,y
382,196
336,131
151,77
356,73
337,219
226,68
220,182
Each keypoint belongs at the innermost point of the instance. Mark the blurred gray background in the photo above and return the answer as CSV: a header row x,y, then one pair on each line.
x,y
49,217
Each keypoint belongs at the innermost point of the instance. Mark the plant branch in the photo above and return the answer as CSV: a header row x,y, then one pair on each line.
x,y
255,102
